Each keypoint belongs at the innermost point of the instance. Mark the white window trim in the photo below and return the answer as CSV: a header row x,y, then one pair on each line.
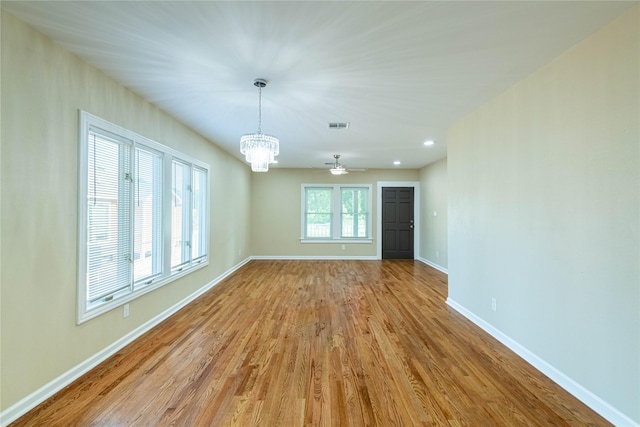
x,y
335,219
85,312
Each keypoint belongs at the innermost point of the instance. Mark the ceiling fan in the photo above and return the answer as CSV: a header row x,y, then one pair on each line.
x,y
339,169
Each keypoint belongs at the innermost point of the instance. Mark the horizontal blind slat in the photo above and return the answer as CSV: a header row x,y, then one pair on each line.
x,y
108,263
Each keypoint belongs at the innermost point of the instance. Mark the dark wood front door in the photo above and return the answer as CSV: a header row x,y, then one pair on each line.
x,y
397,222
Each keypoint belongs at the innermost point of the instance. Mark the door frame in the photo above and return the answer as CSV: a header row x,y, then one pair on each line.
x,y
416,214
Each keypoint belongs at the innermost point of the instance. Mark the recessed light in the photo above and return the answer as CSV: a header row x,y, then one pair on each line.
x,y
397,162
429,142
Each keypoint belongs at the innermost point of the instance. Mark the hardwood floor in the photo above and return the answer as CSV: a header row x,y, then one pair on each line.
x,y
316,343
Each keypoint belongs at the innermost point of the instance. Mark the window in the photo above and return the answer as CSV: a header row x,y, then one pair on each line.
x,y
199,215
336,212
179,215
354,221
143,215
318,212
188,194
147,242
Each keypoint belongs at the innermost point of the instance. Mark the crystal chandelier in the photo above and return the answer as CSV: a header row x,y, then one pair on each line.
x,y
259,149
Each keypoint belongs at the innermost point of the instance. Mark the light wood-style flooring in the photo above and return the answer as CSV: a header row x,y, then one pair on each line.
x,y
316,343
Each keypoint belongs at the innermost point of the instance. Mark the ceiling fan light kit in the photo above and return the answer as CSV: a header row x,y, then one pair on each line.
x,y
338,171
259,149
337,168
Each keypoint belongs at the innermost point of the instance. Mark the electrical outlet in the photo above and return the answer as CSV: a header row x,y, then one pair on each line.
x,y
437,254
125,311
494,304
344,247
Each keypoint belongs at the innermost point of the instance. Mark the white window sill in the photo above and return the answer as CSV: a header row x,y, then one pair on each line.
x,y
339,241
98,308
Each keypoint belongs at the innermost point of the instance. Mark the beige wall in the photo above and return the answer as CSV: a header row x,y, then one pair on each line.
x,y
276,210
433,198
43,86
544,213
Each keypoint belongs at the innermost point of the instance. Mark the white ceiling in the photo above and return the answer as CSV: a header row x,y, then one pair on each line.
x,y
399,72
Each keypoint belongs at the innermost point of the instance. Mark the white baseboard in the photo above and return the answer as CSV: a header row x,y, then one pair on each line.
x,y
607,411
23,406
317,257
20,408
433,264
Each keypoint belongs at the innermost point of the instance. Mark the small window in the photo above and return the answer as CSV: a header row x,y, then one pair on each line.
x,y
336,212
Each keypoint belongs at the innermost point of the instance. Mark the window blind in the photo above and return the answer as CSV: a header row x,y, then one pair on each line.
x,y
147,246
142,218
108,204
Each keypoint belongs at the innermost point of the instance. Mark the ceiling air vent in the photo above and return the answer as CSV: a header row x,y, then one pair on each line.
x,y
336,125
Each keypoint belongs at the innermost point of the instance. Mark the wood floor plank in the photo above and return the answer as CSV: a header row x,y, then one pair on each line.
x,y
316,343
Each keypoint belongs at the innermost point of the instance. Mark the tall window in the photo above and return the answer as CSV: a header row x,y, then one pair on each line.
x,y
188,215
179,215
354,203
336,212
318,201
147,243
198,214
130,187
108,202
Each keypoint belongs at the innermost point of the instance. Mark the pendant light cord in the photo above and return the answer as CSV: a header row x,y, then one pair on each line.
x,y
259,109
